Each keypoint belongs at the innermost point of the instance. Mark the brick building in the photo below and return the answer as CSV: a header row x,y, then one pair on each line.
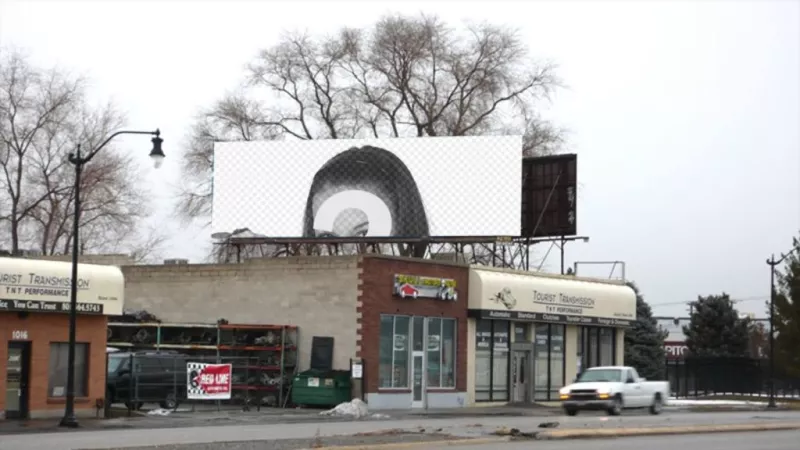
x,y
34,302
430,334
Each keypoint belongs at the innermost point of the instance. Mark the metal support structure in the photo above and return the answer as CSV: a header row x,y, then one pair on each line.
x,y
70,420
498,251
772,263
614,265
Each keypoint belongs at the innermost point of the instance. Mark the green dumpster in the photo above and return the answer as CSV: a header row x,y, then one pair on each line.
x,y
321,387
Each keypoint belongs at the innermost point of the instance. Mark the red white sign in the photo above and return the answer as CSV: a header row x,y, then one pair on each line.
x,y
676,350
208,381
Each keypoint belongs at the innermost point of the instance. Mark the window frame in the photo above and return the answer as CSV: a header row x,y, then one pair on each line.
x,y
426,342
84,383
586,334
493,330
410,351
441,352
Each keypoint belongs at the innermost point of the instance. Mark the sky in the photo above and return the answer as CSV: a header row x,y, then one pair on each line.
x,y
685,114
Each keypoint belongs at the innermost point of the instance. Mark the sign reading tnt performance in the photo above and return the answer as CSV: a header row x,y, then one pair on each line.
x,y
55,307
208,381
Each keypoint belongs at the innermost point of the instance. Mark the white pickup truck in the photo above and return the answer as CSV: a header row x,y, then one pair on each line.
x,y
613,389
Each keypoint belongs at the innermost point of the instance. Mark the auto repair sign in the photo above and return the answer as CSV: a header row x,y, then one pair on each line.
x,y
208,381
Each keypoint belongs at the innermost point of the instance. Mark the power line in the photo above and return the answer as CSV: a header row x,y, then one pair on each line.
x,y
735,300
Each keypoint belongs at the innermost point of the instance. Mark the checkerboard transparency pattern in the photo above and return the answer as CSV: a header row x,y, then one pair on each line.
x,y
410,187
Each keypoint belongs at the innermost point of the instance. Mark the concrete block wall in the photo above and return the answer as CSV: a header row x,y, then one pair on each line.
x,y
317,294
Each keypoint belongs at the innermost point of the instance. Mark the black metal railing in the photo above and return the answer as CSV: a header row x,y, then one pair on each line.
x,y
746,377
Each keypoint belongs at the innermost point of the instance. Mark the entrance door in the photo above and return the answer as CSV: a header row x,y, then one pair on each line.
x,y
520,374
418,379
17,371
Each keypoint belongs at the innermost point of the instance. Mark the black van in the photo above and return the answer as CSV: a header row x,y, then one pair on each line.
x,y
135,378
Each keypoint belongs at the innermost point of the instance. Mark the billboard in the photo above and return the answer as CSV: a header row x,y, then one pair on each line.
x,y
401,187
549,196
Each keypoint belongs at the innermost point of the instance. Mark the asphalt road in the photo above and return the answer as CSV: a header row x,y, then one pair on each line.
x,y
765,440
465,427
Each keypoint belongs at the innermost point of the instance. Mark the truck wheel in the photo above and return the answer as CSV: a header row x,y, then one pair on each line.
x,y
657,406
135,406
169,402
616,406
571,411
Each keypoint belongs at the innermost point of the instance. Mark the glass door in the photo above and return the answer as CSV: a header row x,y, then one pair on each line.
x,y
519,376
418,384
17,380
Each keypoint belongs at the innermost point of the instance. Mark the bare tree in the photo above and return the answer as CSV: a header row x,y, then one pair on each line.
x,y
43,117
33,106
404,76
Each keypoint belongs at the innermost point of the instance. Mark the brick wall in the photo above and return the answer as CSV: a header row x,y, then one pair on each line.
x,y
317,294
376,286
42,330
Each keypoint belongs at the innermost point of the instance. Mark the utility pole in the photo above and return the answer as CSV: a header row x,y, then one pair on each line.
x,y
772,263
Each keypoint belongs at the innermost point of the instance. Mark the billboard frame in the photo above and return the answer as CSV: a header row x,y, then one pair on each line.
x,y
511,252
549,207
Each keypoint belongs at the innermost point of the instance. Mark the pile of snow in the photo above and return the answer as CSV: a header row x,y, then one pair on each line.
x,y
159,412
354,408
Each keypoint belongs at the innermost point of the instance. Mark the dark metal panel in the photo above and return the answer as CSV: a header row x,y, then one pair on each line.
x,y
549,200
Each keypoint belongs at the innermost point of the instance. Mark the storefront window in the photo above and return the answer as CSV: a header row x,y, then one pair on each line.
x,y
57,370
483,359
556,359
385,353
580,352
500,341
607,346
541,360
400,364
419,334
597,347
393,358
394,352
594,348
521,332
434,351
448,353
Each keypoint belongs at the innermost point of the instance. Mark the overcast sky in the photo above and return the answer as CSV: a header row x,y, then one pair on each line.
x,y
685,114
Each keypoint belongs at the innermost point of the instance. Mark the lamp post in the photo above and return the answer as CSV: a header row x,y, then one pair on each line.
x,y
772,263
157,155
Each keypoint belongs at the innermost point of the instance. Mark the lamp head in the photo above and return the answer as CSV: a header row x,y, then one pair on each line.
x,y
157,154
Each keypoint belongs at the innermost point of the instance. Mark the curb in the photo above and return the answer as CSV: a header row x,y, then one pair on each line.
x,y
698,429
403,445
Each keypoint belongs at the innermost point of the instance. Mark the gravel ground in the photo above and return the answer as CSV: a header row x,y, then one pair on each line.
x,y
296,444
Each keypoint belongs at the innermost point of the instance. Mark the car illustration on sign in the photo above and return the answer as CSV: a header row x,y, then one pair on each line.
x,y
406,290
447,292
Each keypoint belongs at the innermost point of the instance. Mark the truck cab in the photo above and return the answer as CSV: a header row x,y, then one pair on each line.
x,y
613,389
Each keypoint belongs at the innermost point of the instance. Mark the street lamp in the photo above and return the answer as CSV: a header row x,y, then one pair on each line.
x,y
772,263
157,155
